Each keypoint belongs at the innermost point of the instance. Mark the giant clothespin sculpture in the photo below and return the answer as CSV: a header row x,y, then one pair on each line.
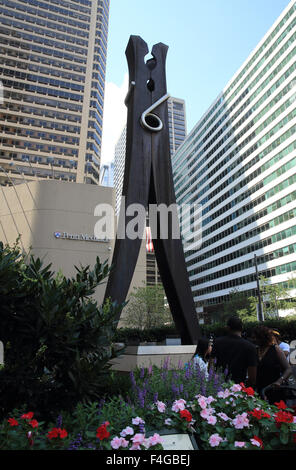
x,y
148,180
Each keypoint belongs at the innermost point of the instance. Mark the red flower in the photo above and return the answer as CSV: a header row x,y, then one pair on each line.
x,y
102,432
248,390
283,417
256,438
28,415
57,432
13,422
186,414
281,405
34,423
259,414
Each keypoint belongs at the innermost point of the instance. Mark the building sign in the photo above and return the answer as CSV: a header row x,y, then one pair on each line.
x,y
80,237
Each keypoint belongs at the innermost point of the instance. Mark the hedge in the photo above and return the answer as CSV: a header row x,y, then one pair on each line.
x,y
286,326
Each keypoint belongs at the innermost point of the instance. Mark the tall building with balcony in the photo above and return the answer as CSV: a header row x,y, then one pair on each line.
x,y
52,68
239,164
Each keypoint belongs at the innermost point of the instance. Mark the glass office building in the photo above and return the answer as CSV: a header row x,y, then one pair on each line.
x,y
239,164
52,69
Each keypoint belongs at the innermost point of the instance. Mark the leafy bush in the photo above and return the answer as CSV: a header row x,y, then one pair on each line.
x,y
57,340
128,335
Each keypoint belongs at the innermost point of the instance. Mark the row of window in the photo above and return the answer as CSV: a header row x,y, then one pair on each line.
x,y
291,27
19,110
31,58
17,26
46,25
234,202
243,169
234,227
250,98
35,134
44,70
43,50
39,147
268,273
248,179
51,7
44,160
261,259
17,118
225,105
41,100
73,6
39,13
50,42
39,79
239,147
247,249
42,90
261,48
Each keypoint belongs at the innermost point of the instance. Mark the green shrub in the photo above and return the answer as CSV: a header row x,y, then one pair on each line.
x,y
57,340
286,326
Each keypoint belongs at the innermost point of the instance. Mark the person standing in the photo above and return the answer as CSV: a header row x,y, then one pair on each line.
x,y
282,345
236,354
273,367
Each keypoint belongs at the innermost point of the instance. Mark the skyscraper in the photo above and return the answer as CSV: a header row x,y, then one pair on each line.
x,y
53,62
239,164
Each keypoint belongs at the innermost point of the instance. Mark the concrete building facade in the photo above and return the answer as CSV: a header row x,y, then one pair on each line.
x,y
52,67
239,164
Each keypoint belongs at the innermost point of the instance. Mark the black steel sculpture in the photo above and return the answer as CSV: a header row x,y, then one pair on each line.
x,y
148,180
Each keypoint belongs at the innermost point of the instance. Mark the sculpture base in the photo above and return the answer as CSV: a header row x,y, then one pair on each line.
x,y
144,356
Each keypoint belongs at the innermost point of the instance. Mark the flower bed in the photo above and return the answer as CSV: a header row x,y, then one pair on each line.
x,y
221,416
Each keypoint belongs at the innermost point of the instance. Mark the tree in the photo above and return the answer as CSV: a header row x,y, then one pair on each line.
x,y
57,339
276,297
241,304
147,308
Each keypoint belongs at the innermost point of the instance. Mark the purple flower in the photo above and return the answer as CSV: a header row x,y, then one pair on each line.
x,y
74,445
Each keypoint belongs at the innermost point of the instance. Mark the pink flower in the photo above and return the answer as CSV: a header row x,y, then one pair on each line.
x,y
168,422
138,421
215,440
212,420
179,405
116,442
124,442
161,406
236,388
224,416
202,401
256,441
224,394
205,413
127,431
241,421
155,439
135,447
210,399
239,444
138,439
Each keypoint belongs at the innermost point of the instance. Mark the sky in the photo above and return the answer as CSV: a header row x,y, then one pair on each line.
x,y
208,42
